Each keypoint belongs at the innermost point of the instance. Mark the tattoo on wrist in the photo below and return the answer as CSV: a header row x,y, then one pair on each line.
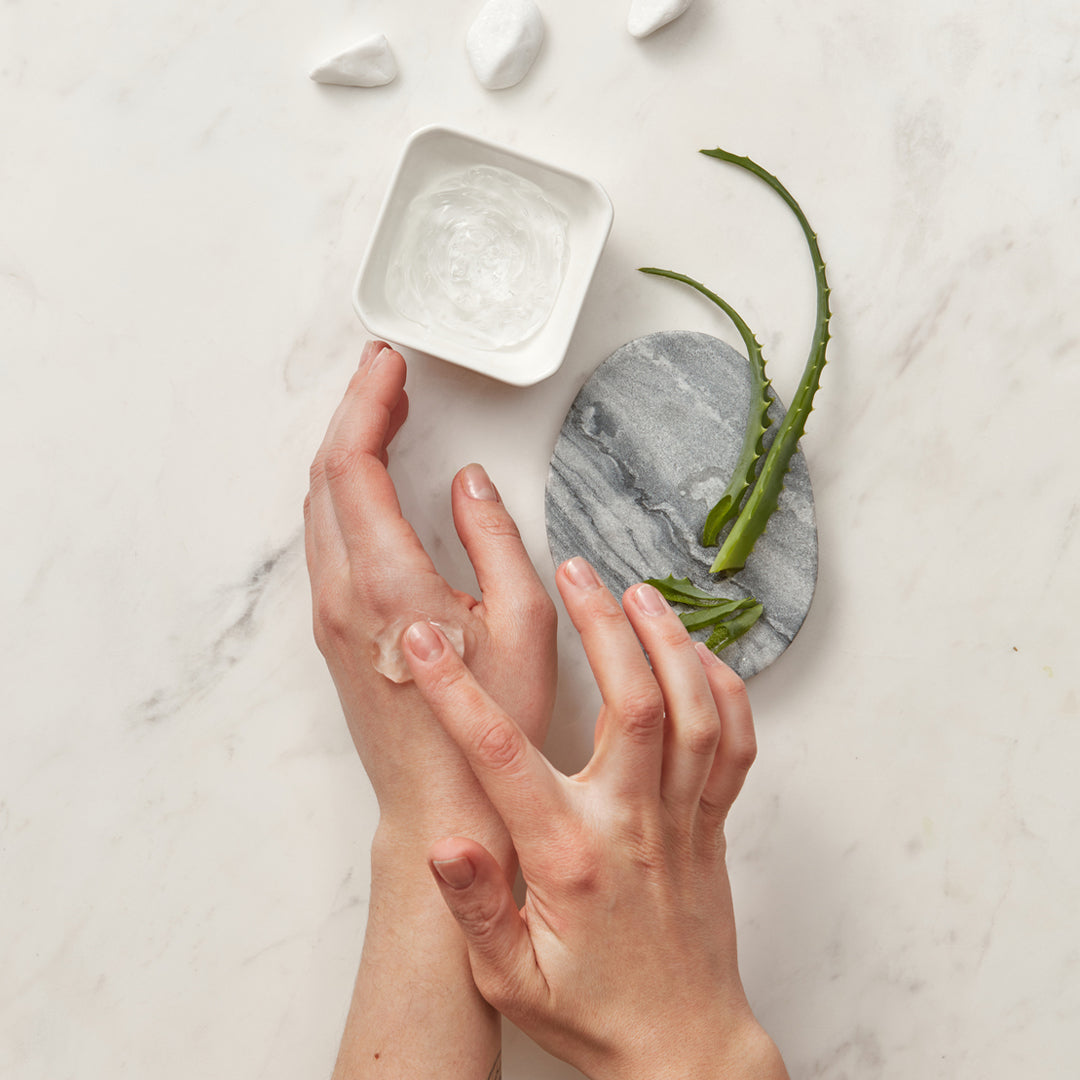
x,y
496,1068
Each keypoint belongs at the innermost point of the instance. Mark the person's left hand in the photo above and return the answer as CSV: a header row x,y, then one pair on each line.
x,y
371,578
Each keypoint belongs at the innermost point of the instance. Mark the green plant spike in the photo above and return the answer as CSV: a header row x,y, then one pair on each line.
x,y
703,617
757,421
730,619
765,496
727,632
683,591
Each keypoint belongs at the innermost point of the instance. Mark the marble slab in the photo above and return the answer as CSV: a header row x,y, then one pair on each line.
x,y
647,447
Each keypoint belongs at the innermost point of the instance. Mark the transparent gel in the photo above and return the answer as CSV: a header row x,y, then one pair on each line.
x,y
481,257
387,656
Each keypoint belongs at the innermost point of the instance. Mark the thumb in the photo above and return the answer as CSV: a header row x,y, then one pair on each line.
x,y
478,895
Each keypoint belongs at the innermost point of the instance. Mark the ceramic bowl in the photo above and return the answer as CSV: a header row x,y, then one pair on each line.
x,y
436,152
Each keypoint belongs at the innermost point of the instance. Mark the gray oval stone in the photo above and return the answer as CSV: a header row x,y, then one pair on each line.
x,y
647,448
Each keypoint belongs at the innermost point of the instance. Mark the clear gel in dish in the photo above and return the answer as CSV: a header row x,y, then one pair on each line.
x,y
481,257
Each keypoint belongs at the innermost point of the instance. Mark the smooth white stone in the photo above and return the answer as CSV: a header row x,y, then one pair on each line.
x,y
368,63
504,41
649,15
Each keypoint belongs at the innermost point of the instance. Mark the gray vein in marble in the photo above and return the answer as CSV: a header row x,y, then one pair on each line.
x,y
924,331
231,644
646,449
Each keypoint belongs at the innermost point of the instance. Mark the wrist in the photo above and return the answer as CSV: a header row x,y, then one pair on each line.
x,y
754,1057
400,846
742,1050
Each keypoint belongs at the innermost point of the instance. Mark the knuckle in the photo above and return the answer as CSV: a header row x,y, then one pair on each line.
x,y
479,916
483,918
702,737
672,633
329,635
500,747
579,870
604,609
741,751
744,752
496,524
641,710
338,463
450,684
329,616
715,810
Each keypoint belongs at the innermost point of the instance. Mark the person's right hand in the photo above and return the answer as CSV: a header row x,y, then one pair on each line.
x,y
623,959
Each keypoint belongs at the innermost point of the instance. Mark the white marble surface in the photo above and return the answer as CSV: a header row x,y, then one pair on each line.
x,y
183,824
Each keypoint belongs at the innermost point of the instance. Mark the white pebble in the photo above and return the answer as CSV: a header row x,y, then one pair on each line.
x,y
649,15
368,63
503,42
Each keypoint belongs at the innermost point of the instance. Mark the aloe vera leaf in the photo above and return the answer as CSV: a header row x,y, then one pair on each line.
x,y
702,617
729,631
757,422
765,495
682,591
710,610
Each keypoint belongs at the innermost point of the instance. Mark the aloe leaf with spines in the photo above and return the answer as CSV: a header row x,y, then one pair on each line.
x,y
728,631
730,619
704,617
684,591
718,612
764,497
757,423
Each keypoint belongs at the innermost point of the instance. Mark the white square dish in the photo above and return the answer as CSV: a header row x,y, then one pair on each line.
x,y
434,153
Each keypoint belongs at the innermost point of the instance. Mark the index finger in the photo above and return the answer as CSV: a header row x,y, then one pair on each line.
x,y
522,786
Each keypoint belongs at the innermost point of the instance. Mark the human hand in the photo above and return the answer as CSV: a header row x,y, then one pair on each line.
x,y
623,959
371,577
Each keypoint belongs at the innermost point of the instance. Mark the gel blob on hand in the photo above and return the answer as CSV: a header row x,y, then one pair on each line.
x,y
387,655
482,257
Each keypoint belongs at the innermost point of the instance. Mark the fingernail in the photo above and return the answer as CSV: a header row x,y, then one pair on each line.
x,y
457,873
581,573
706,654
380,357
369,352
424,641
478,484
649,600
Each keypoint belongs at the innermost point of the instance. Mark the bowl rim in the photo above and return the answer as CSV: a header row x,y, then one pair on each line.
x,y
402,335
